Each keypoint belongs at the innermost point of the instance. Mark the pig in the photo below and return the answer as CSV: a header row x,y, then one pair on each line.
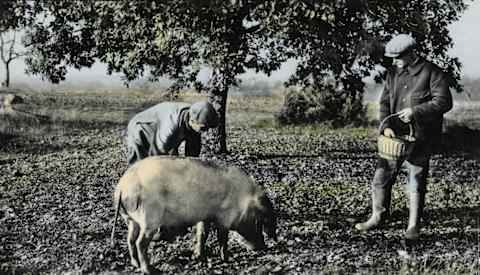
x,y
165,192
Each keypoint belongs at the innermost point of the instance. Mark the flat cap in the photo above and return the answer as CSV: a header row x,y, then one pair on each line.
x,y
399,44
204,113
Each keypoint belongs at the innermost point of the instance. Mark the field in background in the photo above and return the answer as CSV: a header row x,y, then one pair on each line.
x,y
466,113
58,172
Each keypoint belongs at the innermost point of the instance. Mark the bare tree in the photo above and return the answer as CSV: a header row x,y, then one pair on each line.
x,y
9,51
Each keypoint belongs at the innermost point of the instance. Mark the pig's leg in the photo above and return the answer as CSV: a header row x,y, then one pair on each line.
x,y
200,240
144,237
223,241
133,230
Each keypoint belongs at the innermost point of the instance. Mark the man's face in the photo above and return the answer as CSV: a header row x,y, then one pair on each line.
x,y
400,63
403,60
197,127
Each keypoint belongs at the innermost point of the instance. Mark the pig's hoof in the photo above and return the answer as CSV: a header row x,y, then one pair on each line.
x,y
149,270
224,256
198,256
134,263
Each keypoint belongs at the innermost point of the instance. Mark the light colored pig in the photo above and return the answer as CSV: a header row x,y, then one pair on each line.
x,y
163,192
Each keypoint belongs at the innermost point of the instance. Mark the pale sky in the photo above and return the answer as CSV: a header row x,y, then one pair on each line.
x,y
465,34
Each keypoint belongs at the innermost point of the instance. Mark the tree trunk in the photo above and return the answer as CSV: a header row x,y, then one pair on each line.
x,y
218,97
222,127
6,83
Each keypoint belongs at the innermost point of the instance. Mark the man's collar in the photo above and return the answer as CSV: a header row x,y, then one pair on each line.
x,y
416,66
413,68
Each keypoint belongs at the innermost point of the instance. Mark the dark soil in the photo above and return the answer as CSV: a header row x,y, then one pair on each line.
x,y
56,207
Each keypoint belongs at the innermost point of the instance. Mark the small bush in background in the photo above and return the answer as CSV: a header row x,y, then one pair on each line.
x,y
458,136
328,103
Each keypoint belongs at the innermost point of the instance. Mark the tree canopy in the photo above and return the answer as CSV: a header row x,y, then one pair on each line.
x,y
341,39
16,14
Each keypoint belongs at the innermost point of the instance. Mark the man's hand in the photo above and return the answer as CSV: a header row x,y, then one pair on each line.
x,y
388,132
405,115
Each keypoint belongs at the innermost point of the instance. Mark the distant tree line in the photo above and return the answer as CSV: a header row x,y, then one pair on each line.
x,y
471,87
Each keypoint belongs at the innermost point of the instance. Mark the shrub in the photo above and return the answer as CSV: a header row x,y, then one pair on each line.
x,y
459,137
294,108
325,104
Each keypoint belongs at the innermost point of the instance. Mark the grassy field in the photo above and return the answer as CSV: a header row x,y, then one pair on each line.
x,y
59,169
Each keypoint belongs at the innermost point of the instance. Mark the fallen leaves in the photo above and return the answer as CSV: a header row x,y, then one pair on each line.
x,y
56,206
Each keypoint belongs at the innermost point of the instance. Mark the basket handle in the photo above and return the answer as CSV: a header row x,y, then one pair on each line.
x,y
392,115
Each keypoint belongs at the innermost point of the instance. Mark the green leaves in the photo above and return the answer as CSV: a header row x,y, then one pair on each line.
x,y
15,14
166,37
174,38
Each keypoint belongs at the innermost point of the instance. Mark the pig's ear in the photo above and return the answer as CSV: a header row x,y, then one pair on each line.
x,y
264,204
258,206
251,210
268,216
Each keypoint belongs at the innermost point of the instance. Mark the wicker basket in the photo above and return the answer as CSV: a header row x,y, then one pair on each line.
x,y
397,147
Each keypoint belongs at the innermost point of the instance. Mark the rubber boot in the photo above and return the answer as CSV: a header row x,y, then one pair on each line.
x,y
380,210
417,202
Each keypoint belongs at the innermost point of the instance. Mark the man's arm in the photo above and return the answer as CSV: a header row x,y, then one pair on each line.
x,y
385,104
193,145
441,101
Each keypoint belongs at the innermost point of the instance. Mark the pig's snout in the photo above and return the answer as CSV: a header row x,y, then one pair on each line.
x,y
258,244
262,247
253,241
272,232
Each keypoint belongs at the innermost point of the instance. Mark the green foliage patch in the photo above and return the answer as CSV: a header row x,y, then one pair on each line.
x,y
331,106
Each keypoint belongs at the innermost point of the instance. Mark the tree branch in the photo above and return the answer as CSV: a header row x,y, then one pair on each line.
x,y
12,46
7,48
17,55
2,52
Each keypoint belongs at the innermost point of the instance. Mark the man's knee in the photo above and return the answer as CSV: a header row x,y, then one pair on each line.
x,y
417,177
384,173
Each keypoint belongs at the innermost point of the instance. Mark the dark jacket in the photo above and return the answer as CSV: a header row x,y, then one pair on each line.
x,y
160,130
427,92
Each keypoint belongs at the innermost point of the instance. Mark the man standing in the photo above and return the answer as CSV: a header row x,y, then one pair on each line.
x,y
418,91
161,129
